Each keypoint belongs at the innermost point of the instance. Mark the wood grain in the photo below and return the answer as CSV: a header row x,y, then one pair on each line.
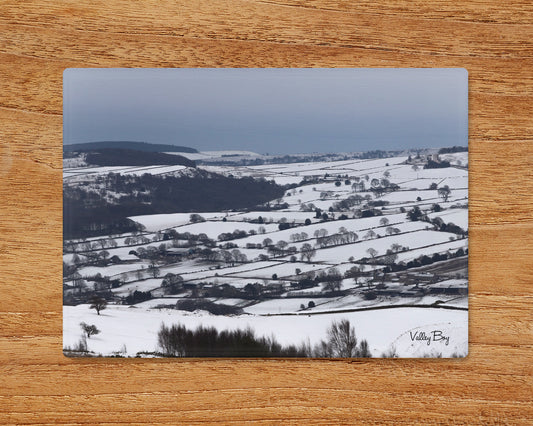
x,y
492,39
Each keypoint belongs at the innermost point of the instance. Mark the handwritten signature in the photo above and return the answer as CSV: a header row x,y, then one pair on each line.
x,y
430,337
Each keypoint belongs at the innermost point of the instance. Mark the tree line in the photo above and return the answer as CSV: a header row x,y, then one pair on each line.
x,y
179,341
87,212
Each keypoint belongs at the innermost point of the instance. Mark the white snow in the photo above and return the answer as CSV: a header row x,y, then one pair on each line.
x,y
156,222
458,217
136,328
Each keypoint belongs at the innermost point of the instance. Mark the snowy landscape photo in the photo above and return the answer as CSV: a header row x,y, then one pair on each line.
x,y
308,213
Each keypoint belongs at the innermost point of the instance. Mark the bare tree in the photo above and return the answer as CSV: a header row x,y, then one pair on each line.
x,y
322,232
89,329
267,242
341,341
238,256
332,280
154,270
384,221
416,169
396,247
98,303
372,252
444,192
282,245
370,234
307,252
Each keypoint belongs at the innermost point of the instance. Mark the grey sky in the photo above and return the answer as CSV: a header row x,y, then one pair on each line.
x,y
269,110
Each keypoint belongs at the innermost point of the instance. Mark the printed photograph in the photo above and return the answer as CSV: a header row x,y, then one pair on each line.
x,y
302,213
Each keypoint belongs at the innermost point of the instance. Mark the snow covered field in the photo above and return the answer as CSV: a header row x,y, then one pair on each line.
x,y
333,221
135,329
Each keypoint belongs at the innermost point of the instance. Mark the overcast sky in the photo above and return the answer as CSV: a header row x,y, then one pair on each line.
x,y
274,111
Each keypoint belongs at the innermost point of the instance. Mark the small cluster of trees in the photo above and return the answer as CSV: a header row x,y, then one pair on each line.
x,y
99,282
172,283
281,248
84,246
134,240
358,185
331,280
436,164
195,218
416,214
299,236
254,291
442,226
310,207
227,236
137,297
150,252
179,341
178,239
367,213
226,256
392,231
382,186
425,260
342,237
307,252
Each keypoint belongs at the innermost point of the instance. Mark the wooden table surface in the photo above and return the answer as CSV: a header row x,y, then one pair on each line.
x,y
492,39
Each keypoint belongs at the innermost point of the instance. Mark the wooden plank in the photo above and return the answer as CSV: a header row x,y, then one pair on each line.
x,y
493,40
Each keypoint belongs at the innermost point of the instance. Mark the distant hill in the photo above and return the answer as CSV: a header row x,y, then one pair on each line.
x,y
453,149
131,157
138,146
